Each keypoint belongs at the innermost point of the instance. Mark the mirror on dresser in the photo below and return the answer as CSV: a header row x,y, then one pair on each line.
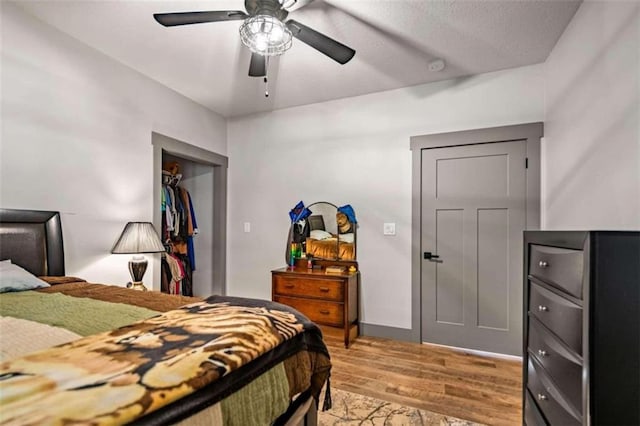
x,y
322,278
322,231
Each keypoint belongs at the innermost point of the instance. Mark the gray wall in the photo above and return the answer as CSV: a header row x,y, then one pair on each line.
x,y
591,160
76,137
356,151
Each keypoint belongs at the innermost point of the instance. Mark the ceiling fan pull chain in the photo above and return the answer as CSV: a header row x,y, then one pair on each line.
x,y
266,81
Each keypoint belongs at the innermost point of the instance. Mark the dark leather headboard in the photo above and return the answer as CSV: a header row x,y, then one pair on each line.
x,y
32,239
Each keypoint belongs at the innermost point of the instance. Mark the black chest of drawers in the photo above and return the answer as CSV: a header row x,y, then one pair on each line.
x,y
581,363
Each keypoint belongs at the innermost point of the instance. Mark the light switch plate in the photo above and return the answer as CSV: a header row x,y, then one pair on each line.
x,y
389,229
247,227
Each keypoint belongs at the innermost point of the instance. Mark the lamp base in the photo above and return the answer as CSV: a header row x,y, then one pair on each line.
x,y
138,286
137,268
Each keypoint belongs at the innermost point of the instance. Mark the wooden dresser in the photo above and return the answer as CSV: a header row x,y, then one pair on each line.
x,y
330,300
581,363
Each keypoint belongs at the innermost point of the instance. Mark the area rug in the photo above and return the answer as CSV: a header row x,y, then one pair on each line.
x,y
353,409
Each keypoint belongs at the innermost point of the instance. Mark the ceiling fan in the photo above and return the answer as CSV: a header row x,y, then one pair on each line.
x,y
264,31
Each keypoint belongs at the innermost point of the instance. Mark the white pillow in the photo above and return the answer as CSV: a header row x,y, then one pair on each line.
x,y
347,238
318,234
14,278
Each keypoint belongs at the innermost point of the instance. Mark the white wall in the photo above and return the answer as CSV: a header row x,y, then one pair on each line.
x,y
76,137
356,151
592,120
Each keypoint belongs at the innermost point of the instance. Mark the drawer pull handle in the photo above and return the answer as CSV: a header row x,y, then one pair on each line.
x,y
324,311
542,397
542,352
542,308
543,264
288,286
324,289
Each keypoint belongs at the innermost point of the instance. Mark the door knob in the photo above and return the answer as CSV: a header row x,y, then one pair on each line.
x,y
429,256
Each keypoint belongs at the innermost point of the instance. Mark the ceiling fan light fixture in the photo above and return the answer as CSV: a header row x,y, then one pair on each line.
x,y
265,35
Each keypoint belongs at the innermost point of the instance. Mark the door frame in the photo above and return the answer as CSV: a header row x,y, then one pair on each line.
x,y
220,163
531,132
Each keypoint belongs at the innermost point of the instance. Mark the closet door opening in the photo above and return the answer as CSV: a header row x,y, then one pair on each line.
x,y
180,169
197,179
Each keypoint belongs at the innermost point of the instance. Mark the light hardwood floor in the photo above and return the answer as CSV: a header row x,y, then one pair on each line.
x,y
452,382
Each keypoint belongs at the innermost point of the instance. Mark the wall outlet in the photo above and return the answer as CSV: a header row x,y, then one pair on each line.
x,y
389,229
247,227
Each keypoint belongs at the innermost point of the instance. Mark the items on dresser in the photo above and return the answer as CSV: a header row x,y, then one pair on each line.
x,y
328,299
335,269
581,361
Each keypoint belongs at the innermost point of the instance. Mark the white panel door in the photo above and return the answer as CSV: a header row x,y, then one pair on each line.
x,y
473,215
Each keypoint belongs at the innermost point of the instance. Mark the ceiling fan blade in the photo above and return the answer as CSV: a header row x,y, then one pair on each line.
x,y
186,18
257,66
293,5
330,47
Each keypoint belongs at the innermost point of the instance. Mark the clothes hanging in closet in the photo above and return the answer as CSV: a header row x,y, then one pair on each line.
x,y
179,225
177,275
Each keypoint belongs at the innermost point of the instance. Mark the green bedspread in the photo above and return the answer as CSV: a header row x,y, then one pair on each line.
x,y
71,312
146,366
244,359
254,406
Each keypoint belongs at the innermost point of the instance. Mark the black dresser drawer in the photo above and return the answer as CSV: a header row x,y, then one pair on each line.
x,y
556,409
561,316
532,414
559,267
582,327
564,367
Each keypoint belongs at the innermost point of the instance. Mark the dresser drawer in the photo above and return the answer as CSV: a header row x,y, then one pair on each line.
x,y
559,267
532,414
562,317
328,313
564,367
308,287
553,405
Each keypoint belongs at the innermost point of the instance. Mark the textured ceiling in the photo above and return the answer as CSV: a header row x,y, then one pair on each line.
x,y
395,41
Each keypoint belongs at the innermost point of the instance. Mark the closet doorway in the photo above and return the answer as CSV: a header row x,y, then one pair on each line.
x,y
204,176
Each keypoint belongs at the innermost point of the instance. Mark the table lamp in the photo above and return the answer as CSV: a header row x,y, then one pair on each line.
x,y
138,238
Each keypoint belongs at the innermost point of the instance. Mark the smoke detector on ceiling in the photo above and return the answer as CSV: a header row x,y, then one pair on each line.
x,y
436,65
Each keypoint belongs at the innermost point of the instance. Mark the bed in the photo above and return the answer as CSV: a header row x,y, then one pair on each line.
x,y
79,352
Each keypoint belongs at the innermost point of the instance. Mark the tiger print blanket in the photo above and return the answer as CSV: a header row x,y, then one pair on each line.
x,y
125,374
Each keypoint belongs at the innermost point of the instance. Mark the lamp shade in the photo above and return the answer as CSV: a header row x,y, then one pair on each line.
x,y
138,237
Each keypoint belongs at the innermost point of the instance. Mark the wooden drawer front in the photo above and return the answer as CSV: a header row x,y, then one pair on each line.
x,y
553,405
564,367
560,267
328,313
308,287
561,316
532,414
